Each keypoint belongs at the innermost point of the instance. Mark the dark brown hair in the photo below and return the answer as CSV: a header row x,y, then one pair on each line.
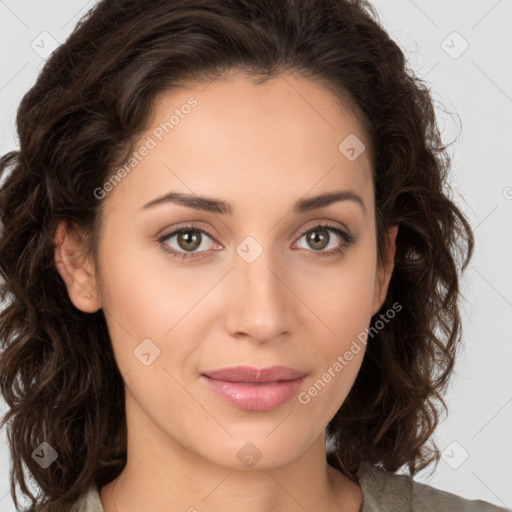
x,y
80,119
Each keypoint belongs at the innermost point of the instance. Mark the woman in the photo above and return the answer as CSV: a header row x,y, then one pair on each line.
x,y
233,277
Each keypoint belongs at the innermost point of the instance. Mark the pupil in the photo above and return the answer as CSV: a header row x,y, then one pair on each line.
x,y
319,240
189,240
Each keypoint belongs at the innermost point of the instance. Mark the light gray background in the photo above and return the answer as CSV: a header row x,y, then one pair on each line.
x,y
477,85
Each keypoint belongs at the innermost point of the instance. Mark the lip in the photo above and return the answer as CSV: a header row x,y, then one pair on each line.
x,y
253,389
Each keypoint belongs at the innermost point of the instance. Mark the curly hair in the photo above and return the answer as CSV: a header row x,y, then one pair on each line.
x,y
58,374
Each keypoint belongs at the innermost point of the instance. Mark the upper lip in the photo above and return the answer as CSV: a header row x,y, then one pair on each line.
x,y
250,374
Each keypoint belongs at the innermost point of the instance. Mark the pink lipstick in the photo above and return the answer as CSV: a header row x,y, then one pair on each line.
x,y
254,389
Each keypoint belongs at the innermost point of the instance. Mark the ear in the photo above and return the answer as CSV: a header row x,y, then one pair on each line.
x,y
385,270
76,270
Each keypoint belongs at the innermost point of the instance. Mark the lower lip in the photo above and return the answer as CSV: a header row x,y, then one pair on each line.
x,y
255,397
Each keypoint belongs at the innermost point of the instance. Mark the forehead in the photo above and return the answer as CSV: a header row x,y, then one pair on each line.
x,y
287,133
303,105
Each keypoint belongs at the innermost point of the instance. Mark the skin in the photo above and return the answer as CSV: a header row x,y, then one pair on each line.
x,y
260,148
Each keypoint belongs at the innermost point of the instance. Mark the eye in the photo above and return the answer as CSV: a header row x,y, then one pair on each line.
x,y
319,239
188,239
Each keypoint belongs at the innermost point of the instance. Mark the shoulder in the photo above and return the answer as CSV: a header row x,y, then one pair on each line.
x,y
90,501
388,492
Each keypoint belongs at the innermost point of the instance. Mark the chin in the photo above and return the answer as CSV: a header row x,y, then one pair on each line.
x,y
257,452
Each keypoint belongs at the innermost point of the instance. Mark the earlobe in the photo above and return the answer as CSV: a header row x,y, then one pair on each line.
x,y
384,272
76,270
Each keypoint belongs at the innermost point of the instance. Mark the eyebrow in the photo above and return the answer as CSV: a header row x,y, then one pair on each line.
x,y
217,206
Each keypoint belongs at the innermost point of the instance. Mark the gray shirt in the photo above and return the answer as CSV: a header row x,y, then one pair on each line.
x,y
382,491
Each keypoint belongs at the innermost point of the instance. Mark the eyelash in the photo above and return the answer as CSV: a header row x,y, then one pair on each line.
x,y
347,240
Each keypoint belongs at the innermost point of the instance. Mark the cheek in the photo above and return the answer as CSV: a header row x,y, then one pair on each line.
x,y
340,343
146,297
142,290
341,299
342,295
132,298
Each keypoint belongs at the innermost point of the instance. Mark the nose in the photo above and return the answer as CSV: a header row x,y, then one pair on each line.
x,y
260,301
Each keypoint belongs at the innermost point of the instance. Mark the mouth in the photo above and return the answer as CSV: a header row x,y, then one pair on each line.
x,y
253,389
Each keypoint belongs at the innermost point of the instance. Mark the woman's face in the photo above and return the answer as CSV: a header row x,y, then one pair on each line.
x,y
251,281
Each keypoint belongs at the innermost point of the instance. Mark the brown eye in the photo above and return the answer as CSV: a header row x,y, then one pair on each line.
x,y
189,240
326,240
318,238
